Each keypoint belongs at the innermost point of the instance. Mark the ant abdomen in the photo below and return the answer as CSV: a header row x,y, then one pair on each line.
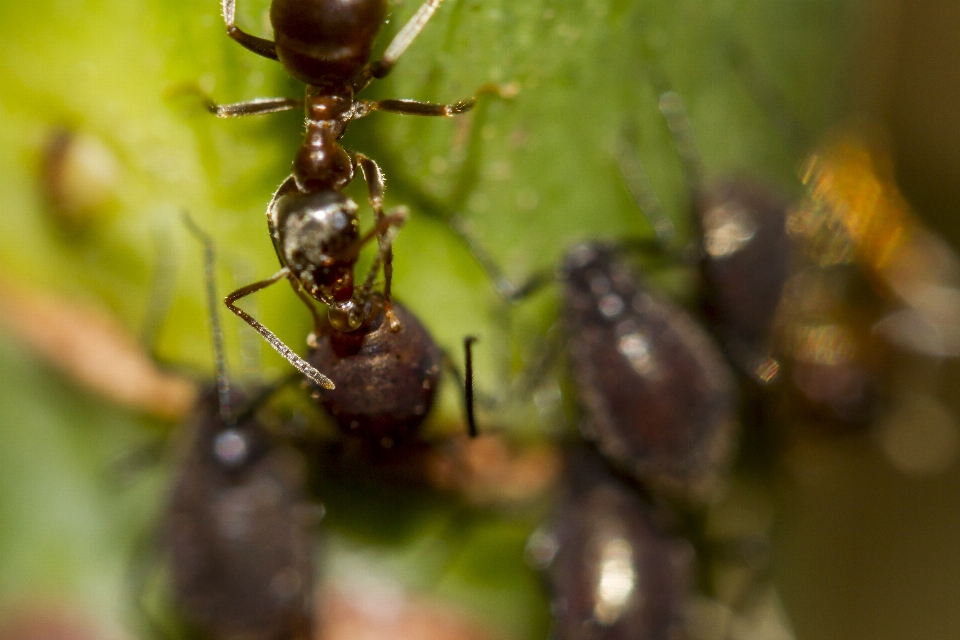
x,y
658,397
323,42
386,379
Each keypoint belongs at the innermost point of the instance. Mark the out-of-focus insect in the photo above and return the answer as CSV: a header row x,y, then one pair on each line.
x,y
657,395
613,569
237,526
739,243
313,224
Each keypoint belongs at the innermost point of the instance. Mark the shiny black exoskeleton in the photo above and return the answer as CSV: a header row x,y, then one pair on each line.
x,y
613,569
745,260
314,226
237,531
659,399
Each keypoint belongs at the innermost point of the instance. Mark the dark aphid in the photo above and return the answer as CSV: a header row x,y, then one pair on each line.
x,y
658,397
745,262
237,524
740,243
388,379
613,570
314,226
237,533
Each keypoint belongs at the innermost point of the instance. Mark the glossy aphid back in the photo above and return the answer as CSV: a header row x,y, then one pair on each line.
x,y
613,570
326,42
237,533
658,396
746,260
386,379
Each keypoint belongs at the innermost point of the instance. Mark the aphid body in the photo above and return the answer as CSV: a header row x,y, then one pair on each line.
x,y
613,570
658,397
237,533
388,379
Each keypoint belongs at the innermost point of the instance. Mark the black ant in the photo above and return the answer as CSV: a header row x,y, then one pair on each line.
x,y
313,224
237,523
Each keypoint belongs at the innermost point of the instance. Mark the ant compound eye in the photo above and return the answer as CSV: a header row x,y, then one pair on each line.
x,y
345,316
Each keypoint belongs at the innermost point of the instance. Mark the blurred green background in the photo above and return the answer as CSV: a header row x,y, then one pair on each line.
x,y
862,550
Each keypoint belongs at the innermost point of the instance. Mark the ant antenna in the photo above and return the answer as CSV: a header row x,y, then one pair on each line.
x,y
671,106
209,264
405,38
468,385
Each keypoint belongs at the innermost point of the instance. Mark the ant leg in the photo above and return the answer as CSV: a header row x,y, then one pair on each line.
x,y
418,108
301,365
259,46
256,107
415,107
373,176
386,231
468,384
402,40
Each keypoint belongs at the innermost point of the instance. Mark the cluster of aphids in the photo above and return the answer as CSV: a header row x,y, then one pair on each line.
x,y
659,386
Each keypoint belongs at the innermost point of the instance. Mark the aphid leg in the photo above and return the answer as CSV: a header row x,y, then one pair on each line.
x,y
675,114
401,41
301,365
507,290
259,46
468,384
375,186
638,184
162,284
465,382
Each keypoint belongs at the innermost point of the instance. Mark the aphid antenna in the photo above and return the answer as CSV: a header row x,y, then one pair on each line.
x,y
637,181
216,331
161,288
675,114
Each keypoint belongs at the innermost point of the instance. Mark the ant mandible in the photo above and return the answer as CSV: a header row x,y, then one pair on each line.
x,y
313,224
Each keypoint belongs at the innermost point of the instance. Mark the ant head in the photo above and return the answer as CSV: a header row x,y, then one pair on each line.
x,y
326,42
317,236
